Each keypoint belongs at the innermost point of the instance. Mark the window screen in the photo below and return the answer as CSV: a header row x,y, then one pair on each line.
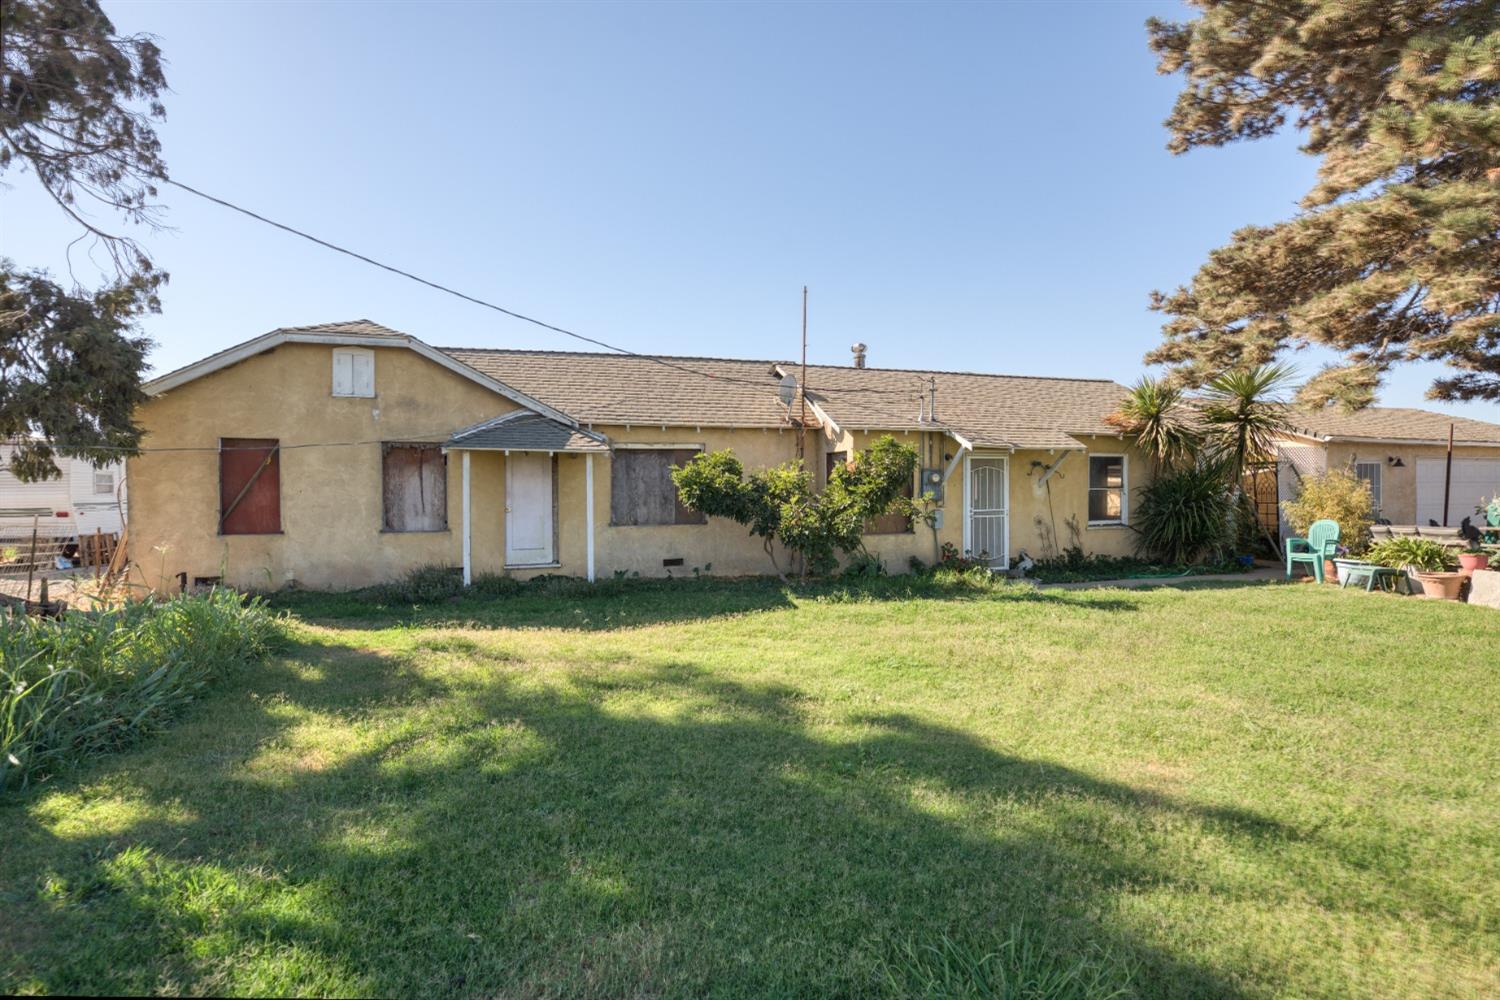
x,y
641,490
1370,473
414,487
104,482
249,486
1106,489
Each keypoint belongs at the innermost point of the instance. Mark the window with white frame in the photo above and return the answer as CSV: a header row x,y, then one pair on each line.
x,y
1108,500
104,482
1370,473
353,371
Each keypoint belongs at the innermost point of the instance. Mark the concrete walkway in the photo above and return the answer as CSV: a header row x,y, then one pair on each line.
x,y
1258,575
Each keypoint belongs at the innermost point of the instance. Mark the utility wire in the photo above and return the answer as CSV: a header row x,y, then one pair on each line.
x,y
501,309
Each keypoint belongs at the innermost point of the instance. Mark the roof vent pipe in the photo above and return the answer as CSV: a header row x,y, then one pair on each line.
x,y
859,354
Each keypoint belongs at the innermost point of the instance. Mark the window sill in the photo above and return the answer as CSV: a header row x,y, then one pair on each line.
x,y
420,531
1108,524
674,524
249,534
545,565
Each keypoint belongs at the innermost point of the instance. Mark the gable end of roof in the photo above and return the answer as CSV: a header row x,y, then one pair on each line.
x,y
357,333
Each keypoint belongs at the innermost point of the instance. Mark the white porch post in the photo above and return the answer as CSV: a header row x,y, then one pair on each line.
x,y
468,546
588,517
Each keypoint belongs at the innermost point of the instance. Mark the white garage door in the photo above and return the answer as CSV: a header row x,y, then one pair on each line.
x,y
1473,479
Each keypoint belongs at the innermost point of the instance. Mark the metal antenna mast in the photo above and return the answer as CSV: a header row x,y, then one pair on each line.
x,y
802,389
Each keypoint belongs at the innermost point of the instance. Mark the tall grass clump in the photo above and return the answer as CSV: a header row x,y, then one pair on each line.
x,y
1022,965
91,683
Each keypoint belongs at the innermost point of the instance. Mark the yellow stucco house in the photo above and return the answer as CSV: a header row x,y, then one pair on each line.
x,y
345,454
1402,452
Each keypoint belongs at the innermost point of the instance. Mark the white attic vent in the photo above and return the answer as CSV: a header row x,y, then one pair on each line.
x,y
353,371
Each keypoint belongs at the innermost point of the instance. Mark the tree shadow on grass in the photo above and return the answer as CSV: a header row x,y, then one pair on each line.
x,y
612,605
707,837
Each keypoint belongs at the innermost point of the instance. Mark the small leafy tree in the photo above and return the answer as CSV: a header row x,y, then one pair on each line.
x,y
778,504
1337,495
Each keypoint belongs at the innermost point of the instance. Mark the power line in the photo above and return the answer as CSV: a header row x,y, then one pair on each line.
x,y
474,299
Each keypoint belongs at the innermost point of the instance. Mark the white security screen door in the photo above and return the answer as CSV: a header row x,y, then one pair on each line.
x,y
528,509
988,492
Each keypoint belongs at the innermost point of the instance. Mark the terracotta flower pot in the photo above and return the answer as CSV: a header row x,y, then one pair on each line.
x,y
1444,586
1468,562
1330,570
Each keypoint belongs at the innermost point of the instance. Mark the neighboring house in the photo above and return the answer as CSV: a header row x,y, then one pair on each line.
x,y
82,500
1402,453
344,454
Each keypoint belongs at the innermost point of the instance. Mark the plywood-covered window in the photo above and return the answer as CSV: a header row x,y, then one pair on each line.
x,y
249,486
832,461
414,487
892,524
641,490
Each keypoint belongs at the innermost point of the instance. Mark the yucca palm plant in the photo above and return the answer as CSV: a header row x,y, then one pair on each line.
x,y
1154,415
1244,409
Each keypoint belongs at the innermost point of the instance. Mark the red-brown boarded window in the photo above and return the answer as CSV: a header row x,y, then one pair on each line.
x,y
415,487
249,486
892,524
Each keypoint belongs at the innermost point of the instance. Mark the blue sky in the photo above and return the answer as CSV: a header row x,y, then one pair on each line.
x,y
973,186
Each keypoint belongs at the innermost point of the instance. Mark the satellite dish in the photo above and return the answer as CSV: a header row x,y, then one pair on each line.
x,y
787,390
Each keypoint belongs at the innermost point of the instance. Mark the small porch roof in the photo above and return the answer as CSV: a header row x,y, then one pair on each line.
x,y
523,430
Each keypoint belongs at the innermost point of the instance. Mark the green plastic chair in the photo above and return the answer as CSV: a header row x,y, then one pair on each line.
x,y
1322,542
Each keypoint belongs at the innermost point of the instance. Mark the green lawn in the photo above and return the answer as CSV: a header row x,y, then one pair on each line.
x,y
743,789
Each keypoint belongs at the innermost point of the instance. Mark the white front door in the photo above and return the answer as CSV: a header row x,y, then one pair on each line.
x,y
988,492
528,509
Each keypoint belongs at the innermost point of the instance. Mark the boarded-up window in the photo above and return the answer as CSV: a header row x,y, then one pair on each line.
x,y
641,490
892,524
415,487
249,486
833,460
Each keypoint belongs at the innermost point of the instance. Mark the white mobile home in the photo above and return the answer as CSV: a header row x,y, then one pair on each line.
x,y
84,499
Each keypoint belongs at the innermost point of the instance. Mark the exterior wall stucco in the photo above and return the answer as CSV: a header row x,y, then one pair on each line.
x,y
1398,486
331,484
330,494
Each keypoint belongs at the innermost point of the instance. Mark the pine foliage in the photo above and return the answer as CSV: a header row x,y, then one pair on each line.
x,y
1395,256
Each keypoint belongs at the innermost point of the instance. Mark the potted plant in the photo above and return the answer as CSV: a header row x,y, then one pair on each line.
x,y
1431,564
1473,558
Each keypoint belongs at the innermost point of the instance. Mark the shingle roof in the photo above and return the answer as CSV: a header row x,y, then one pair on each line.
x,y
991,411
1394,423
521,430
625,389
988,410
348,328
